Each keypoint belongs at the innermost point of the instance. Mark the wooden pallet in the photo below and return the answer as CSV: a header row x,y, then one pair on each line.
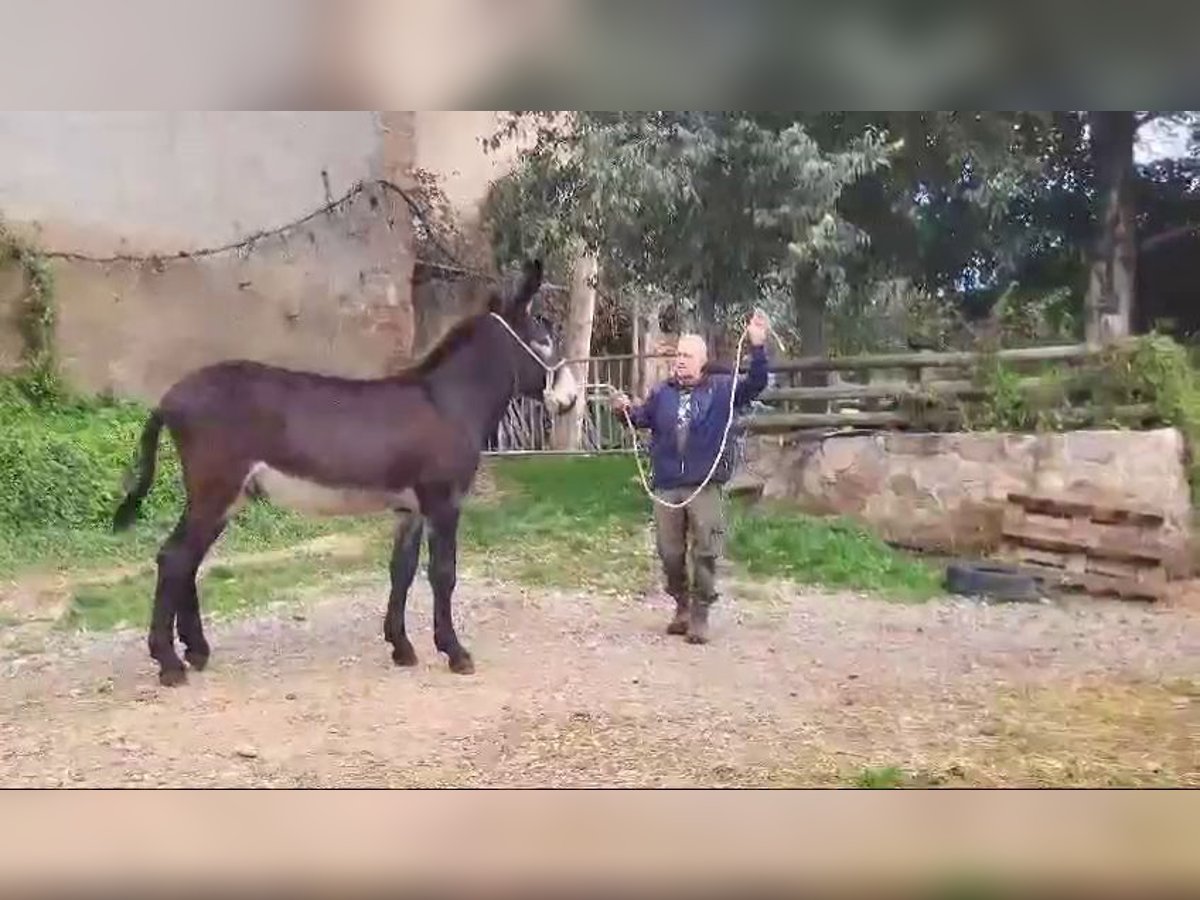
x,y
1099,548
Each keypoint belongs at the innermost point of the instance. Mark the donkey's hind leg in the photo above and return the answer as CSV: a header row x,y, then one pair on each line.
x,y
187,618
176,599
161,639
406,555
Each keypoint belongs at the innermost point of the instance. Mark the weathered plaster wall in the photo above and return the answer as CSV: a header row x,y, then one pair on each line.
x,y
332,294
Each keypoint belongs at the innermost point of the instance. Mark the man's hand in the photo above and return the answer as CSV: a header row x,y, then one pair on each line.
x,y
757,329
621,403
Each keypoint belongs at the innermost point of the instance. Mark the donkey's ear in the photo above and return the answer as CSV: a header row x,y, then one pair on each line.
x,y
531,281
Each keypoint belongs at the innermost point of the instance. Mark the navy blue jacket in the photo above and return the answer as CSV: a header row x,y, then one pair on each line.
x,y
710,411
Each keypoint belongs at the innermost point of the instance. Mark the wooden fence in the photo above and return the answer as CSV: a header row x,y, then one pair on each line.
x,y
876,391
882,390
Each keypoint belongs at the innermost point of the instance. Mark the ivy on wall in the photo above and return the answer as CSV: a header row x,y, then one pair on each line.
x,y
36,316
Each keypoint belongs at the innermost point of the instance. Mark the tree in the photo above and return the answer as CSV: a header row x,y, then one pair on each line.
x,y
1108,307
714,210
986,205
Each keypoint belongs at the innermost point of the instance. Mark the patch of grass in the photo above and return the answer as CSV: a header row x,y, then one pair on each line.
x,y
570,522
226,591
62,460
881,777
585,522
79,550
772,541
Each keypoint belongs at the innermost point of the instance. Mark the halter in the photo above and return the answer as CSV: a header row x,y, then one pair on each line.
x,y
548,390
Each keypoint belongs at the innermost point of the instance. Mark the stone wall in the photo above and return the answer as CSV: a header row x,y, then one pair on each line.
x,y
946,492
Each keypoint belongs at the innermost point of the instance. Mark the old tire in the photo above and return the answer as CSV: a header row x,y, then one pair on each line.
x,y
993,581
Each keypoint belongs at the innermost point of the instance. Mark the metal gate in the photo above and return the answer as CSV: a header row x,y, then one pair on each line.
x,y
527,427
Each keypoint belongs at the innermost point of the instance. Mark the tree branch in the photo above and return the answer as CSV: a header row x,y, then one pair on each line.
x,y
1170,234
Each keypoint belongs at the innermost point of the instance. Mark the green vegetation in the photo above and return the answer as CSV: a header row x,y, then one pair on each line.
x,y
580,523
585,523
1152,371
36,316
569,522
228,590
885,777
62,460
831,552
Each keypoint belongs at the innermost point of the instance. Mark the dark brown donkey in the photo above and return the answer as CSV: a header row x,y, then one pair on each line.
x,y
409,444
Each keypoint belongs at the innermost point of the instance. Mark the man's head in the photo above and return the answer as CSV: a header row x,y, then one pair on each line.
x,y
691,355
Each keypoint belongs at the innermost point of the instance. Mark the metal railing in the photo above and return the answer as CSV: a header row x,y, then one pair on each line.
x,y
528,428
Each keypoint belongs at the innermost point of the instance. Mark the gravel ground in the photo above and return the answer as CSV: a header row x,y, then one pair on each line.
x,y
798,688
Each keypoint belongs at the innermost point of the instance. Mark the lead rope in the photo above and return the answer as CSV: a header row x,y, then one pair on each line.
x,y
637,458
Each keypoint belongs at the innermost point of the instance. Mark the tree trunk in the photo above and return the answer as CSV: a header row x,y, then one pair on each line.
x,y
577,343
706,320
809,296
1108,307
647,371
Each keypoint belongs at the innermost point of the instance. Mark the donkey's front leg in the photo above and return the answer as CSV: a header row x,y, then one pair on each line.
x,y
443,550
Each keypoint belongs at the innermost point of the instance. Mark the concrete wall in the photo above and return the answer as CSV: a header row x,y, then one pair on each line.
x,y
332,294
143,182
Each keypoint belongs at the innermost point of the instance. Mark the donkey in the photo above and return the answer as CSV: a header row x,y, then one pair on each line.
x,y
410,444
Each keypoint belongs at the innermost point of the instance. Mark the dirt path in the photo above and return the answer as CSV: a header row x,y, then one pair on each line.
x,y
798,689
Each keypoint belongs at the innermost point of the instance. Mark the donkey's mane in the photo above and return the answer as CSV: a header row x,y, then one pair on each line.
x,y
452,341
463,331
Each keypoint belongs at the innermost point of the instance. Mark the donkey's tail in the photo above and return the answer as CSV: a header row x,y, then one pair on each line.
x,y
143,477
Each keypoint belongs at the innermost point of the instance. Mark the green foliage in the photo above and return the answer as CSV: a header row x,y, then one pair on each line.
x,y
36,317
585,522
1157,370
62,461
830,552
1011,405
710,208
881,778
1152,370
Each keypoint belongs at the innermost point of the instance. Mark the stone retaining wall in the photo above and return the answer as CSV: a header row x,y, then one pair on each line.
x,y
946,492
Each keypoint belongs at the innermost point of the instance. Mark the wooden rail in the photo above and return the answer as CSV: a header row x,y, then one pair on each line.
x,y
929,359
878,401
879,391
912,378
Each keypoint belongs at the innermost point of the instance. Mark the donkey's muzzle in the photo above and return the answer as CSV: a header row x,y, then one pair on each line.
x,y
562,395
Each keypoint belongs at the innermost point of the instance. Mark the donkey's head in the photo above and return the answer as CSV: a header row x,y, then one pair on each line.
x,y
537,364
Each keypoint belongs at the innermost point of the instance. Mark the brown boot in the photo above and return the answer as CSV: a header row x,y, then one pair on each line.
x,y
697,626
679,624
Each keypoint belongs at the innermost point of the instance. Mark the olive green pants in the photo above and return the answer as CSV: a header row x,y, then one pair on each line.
x,y
703,522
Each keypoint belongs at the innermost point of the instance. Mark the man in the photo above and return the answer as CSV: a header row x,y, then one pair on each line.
x,y
686,416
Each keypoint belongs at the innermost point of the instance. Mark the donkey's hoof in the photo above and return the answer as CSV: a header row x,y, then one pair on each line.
x,y
462,665
172,677
403,654
196,660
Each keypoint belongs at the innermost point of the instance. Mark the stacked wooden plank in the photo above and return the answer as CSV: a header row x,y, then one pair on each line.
x,y
1102,549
